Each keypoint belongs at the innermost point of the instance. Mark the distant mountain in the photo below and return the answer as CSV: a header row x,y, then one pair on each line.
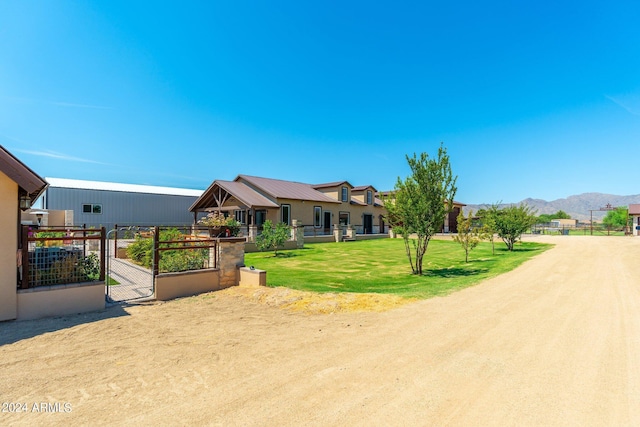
x,y
577,206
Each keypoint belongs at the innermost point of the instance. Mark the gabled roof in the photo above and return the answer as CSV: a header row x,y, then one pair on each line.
x,y
364,187
126,188
279,189
332,184
220,191
21,174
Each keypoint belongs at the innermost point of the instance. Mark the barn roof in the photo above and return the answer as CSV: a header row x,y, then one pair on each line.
x,y
125,188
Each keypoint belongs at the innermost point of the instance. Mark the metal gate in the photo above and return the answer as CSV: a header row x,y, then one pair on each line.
x,y
126,281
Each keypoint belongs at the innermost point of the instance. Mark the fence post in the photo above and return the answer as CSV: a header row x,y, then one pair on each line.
x,y
156,252
102,251
115,241
24,282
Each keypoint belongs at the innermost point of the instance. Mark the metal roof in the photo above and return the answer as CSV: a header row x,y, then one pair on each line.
x,y
332,184
363,187
634,209
126,188
280,189
21,174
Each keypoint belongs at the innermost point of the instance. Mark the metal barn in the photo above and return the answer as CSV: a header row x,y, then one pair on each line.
x,y
104,204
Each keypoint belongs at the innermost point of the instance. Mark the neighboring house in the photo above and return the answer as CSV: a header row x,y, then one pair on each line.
x,y
634,213
564,223
19,188
253,200
104,204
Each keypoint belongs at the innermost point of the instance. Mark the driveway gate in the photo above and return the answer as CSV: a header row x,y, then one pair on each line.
x,y
126,281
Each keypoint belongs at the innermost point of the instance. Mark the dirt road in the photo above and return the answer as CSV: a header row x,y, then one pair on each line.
x,y
555,342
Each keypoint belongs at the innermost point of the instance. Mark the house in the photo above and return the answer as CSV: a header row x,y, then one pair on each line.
x,y
104,204
19,189
318,207
634,213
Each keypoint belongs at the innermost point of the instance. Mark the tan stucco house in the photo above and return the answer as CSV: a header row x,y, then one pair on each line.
x,y
634,213
19,188
318,207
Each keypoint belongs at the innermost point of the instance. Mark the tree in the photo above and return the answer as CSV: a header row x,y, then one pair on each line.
x,y
617,218
488,220
512,221
545,218
418,205
468,236
272,237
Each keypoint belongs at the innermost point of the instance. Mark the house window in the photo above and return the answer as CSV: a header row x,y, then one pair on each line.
x,y
369,197
285,214
317,216
261,217
343,219
345,194
92,208
241,216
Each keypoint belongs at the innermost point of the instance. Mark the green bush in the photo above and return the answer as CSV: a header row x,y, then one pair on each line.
x,y
141,252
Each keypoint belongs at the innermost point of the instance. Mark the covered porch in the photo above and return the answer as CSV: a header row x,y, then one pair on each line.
x,y
236,199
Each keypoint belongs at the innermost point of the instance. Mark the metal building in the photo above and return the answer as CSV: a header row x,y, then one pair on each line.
x,y
104,204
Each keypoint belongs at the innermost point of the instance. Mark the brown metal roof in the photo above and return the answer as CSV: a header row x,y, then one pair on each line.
x,y
226,189
280,189
363,187
21,174
332,184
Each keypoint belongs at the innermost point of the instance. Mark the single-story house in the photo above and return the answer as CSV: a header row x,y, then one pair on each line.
x,y
19,189
634,213
104,204
318,207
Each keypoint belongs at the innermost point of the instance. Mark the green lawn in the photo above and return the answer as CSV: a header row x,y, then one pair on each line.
x,y
381,266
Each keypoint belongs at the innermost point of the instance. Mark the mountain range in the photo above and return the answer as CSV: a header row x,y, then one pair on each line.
x,y
578,206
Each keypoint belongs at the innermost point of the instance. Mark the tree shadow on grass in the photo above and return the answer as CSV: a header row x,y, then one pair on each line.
x,y
454,272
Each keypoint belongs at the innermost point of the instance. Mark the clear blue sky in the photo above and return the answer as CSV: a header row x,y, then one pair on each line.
x,y
532,100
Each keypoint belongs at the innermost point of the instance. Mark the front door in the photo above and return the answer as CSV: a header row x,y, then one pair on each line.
x,y
327,222
368,224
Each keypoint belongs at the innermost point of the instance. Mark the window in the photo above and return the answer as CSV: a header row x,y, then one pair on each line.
x,y
261,217
343,219
345,194
317,216
369,197
92,208
286,214
241,216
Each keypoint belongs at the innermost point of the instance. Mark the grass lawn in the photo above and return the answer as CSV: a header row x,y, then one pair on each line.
x,y
382,266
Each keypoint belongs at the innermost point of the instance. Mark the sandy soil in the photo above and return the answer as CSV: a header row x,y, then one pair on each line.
x,y
555,342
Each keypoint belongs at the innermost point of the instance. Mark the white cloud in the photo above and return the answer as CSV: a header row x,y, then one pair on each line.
x,y
59,156
631,103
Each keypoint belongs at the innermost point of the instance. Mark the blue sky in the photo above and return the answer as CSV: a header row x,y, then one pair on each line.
x,y
531,100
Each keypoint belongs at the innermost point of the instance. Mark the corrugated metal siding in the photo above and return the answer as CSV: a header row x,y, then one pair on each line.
x,y
122,208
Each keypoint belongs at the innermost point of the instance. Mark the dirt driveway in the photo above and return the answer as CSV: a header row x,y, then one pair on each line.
x,y
555,342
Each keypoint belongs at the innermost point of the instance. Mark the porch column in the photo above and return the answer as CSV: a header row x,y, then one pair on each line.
x,y
337,232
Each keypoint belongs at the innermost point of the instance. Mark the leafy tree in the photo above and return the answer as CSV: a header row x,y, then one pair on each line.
x,y
418,205
468,236
512,221
617,218
545,218
272,237
488,220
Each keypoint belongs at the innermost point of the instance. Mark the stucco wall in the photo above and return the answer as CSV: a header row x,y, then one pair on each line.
x,y
176,285
58,300
8,246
